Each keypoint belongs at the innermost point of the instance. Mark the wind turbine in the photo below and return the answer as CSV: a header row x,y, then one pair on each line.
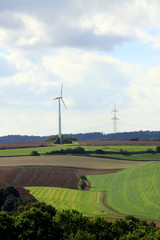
x,y
59,105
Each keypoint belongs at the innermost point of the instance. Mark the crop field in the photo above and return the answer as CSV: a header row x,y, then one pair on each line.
x,y
117,148
89,203
26,151
117,143
136,157
134,191
25,144
69,161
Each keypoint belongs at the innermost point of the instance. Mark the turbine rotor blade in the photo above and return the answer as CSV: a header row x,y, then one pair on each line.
x,y
63,103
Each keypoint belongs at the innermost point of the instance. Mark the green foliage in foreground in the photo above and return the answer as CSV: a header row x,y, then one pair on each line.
x,y
10,200
133,191
35,223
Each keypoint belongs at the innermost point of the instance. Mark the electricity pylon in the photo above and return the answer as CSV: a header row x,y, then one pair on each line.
x,y
115,119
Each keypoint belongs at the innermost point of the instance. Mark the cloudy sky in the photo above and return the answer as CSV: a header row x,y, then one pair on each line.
x,y
104,52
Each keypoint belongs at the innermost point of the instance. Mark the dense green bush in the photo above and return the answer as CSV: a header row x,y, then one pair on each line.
x,y
34,224
99,151
34,153
40,205
158,149
37,221
7,228
10,200
149,150
77,150
124,152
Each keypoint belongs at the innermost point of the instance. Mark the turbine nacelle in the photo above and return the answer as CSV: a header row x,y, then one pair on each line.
x,y
61,98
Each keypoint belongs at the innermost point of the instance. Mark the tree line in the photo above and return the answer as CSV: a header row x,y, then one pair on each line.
x,y
40,221
81,150
97,136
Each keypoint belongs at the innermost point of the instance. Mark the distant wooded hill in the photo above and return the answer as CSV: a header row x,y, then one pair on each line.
x,y
124,136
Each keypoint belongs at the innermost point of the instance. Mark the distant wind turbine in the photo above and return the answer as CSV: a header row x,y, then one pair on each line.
x,y
59,104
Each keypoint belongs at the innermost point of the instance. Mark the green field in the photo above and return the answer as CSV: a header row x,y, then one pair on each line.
x,y
27,150
116,148
134,191
43,150
136,157
89,203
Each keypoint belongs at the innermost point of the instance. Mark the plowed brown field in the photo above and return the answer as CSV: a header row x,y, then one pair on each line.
x,y
44,176
96,143
24,144
44,143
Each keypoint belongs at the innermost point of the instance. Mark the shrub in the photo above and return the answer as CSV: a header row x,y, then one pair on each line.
x,y
79,150
149,150
125,152
99,151
34,153
134,219
158,149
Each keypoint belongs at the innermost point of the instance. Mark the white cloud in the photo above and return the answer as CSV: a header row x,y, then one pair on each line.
x,y
77,43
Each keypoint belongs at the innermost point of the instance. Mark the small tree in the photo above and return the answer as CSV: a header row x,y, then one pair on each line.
x,y
82,184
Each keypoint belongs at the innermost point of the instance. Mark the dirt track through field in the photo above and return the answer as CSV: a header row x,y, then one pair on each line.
x,y
104,202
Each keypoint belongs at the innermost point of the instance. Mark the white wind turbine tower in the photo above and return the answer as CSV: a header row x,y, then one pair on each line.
x,y
59,105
